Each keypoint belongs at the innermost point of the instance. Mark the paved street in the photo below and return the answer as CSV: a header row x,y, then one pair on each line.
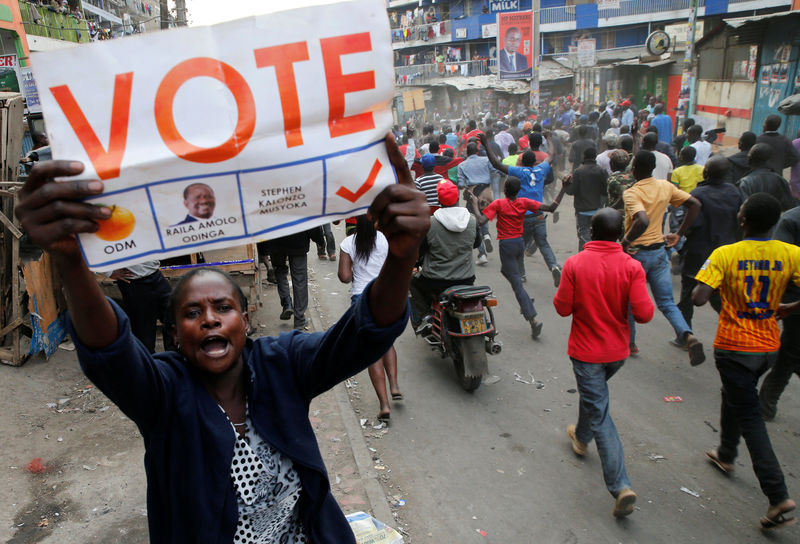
x,y
499,460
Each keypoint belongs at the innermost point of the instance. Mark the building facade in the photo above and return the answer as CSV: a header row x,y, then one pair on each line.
x,y
448,48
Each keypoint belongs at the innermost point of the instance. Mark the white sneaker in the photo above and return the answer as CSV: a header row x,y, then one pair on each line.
x,y
487,243
482,260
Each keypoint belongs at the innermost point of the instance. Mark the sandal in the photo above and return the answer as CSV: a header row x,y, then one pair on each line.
x,y
696,353
780,520
713,457
397,396
384,418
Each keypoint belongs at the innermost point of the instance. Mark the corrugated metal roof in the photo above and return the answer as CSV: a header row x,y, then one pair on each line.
x,y
737,22
548,71
637,62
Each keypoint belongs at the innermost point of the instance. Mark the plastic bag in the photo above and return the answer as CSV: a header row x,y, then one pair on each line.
x,y
790,105
369,530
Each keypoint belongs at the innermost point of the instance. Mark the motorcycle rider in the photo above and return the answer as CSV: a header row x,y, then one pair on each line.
x,y
446,252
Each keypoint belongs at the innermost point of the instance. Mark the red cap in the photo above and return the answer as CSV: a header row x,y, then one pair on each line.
x,y
448,193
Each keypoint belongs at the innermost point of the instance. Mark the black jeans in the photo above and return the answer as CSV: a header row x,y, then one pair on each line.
x,y
330,242
788,363
740,417
298,267
691,266
422,290
146,300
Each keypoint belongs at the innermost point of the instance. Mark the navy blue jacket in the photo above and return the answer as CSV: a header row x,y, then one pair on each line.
x,y
189,442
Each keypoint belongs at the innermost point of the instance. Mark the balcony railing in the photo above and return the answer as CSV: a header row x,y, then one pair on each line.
x,y
627,8
49,24
421,74
422,34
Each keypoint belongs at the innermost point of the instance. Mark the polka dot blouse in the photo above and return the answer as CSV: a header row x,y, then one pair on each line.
x,y
267,492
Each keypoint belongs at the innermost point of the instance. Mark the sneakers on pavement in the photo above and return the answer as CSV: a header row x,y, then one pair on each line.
x,y
487,243
624,505
286,313
482,260
531,249
556,271
577,446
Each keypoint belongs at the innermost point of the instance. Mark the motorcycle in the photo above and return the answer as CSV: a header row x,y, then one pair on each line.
x,y
461,324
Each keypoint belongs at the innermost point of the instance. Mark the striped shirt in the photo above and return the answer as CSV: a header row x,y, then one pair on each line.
x,y
427,184
751,276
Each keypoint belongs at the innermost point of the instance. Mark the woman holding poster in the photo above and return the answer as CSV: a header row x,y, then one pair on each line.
x,y
231,454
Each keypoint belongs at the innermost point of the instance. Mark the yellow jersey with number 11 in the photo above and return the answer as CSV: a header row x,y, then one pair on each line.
x,y
751,276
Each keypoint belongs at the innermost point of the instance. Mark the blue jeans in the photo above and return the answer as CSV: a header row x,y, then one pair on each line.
x,y
594,421
511,251
656,268
583,223
535,230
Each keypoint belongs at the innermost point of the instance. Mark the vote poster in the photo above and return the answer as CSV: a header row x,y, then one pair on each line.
x,y
515,44
216,136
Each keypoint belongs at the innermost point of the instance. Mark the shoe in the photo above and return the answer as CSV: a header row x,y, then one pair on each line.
x,y
577,446
624,505
531,249
487,243
482,260
271,276
556,271
524,279
713,457
301,325
332,257
634,350
536,329
778,520
555,217
675,263
286,313
696,353
322,257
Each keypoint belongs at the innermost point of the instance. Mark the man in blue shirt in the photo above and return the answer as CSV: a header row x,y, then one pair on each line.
x,y
663,123
475,174
627,113
532,179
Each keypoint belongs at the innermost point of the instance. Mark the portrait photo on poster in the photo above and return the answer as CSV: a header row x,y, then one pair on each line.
x,y
515,45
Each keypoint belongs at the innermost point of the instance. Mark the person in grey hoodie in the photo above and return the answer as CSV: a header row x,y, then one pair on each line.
x,y
446,252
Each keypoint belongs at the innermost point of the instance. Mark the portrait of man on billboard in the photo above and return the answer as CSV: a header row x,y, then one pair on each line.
x,y
514,51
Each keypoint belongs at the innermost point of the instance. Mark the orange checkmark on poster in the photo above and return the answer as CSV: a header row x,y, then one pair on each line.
x,y
347,194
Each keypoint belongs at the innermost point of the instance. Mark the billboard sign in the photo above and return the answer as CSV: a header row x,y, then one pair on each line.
x,y
515,45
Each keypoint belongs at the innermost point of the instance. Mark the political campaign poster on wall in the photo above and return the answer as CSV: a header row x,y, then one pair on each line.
x,y
209,137
515,45
9,73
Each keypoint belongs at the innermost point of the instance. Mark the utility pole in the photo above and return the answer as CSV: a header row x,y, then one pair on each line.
x,y
687,78
163,8
180,12
534,98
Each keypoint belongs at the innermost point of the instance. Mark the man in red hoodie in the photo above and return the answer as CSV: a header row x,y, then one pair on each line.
x,y
598,285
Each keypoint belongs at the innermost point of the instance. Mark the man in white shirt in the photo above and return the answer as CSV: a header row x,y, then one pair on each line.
x,y
663,169
604,158
695,138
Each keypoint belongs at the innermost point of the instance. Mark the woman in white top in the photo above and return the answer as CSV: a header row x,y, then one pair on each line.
x,y
362,257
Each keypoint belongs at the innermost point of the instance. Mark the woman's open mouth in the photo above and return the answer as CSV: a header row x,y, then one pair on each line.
x,y
215,346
